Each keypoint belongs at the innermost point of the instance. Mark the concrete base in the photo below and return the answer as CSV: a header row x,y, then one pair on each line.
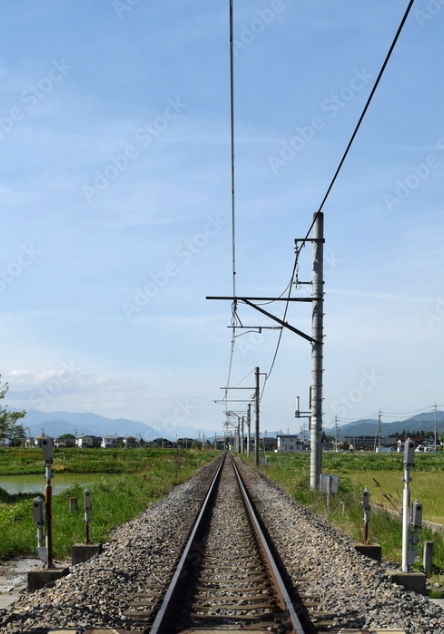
x,y
372,551
415,581
83,552
38,579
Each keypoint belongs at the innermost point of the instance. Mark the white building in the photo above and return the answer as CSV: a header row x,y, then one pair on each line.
x,y
289,443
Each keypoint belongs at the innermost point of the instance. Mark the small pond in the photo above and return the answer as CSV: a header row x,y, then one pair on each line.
x,y
14,484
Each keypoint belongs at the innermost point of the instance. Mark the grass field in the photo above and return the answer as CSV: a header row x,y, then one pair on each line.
x,y
382,475
132,480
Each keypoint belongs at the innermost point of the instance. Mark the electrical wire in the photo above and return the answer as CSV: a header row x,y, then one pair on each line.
x,y
361,118
287,304
344,156
329,189
233,199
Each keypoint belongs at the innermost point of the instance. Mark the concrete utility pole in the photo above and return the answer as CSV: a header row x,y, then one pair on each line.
x,y
256,430
248,429
377,447
317,351
336,432
435,409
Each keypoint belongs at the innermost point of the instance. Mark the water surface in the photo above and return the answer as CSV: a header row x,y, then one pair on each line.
x,y
14,484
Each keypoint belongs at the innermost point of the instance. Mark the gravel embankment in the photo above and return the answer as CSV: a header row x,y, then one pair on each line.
x,y
97,592
350,587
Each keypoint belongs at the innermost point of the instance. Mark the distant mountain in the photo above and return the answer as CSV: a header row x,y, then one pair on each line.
x,y
368,427
57,423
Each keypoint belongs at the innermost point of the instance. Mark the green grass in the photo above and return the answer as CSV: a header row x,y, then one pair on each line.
x,y
29,461
135,479
382,474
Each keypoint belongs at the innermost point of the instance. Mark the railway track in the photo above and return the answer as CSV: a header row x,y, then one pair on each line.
x,y
226,578
147,581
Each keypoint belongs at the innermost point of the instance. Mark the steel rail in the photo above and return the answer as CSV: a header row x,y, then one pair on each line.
x,y
158,623
293,617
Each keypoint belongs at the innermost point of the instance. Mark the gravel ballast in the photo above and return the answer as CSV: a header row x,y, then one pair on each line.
x,y
352,589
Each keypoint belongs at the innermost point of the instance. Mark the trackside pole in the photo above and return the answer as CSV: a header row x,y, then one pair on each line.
x,y
87,505
257,427
316,351
47,457
366,508
409,533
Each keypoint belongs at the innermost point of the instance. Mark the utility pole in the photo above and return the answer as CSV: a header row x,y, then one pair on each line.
x,y
435,409
242,433
378,434
256,430
249,428
317,350
336,431
316,340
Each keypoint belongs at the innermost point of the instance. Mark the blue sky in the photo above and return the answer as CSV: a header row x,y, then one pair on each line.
x,y
116,209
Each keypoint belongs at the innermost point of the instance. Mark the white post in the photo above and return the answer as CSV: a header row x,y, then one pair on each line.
x,y
409,456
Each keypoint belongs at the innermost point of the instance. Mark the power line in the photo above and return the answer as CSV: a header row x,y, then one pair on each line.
x,y
329,189
361,118
289,287
233,199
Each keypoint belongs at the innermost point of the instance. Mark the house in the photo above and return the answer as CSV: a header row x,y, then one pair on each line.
x,y
185,443
65,442
163,443
111,442
88,441
34,442
289,443
130,442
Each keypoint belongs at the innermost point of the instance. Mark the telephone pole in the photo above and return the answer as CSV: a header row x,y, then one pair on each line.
x,y
317,351
256,429
435,409
336,432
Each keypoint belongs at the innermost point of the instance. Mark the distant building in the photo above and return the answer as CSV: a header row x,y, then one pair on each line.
x,y
130,442
88,441
111,442
185,443
289,443
65,442
368,442
162,443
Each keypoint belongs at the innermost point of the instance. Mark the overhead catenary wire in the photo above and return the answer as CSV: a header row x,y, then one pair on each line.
x,y
233,197
328,191
361,118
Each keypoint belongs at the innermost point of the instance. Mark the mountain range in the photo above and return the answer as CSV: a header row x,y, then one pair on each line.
x,y
58,423
368,426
